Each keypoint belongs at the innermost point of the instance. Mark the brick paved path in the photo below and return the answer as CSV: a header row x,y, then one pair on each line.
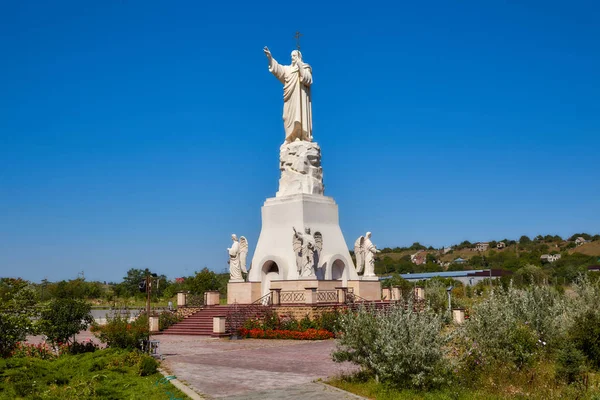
x,y
254,368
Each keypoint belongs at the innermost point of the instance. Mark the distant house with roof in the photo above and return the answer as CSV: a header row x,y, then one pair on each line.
x,y
500,245
459,260
550,258
579,241
446,250
482,246
419,258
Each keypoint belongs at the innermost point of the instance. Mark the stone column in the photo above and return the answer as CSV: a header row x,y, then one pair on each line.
x,y
310,295
219,325
341,294
458,315
396,293
153,321
276,297
385,294
181,299
211,298
419,293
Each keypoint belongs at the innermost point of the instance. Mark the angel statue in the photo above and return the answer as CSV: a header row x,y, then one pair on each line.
x,y
237,258
308,249
365,251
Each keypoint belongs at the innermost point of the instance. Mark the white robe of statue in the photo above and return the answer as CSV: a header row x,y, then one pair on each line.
x,y
369,253
235,270
297,104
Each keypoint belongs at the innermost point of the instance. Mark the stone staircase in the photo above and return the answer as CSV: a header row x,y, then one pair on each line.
x,y
199,323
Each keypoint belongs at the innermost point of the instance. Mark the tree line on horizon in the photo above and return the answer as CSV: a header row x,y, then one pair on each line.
x,y
522,257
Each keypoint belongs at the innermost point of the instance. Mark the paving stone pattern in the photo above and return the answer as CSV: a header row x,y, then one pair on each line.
x,y
254,368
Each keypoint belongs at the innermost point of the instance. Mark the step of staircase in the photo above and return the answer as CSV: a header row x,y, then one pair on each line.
x,y
199,323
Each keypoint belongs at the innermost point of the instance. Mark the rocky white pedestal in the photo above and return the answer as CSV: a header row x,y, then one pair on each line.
x,y
300,166
274,257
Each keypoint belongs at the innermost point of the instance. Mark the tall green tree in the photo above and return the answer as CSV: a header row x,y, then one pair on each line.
x,y
129,287
17,309
203,281
63,318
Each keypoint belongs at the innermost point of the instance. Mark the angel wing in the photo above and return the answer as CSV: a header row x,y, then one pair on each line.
x,y
359,252
243,253
297,246
318,241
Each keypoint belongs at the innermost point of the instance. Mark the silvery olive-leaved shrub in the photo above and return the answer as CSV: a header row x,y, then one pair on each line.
x,y
398,345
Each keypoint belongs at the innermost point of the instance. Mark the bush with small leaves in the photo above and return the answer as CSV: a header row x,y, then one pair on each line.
x,y
119,332
571,363
167,319
398,346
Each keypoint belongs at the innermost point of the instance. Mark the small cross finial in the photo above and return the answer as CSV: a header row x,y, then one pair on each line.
x,y
297,37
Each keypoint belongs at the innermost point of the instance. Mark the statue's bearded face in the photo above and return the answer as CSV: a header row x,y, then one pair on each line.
x,y
295,57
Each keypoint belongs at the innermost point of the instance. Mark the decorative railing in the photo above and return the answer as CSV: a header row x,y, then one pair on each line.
x,y
238,314
327,296
292,296
354,298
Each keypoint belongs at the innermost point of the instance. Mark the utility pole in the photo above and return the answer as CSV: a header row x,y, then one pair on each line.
x,y
148,284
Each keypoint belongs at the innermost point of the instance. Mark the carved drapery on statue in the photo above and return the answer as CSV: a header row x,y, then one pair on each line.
x,y
307,248
238,253
365,252
359,253
297,103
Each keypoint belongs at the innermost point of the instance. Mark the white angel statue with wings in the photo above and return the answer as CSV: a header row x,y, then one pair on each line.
x,y
365,251
308,249
237,258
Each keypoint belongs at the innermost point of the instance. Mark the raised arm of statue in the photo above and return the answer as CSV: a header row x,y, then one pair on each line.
x,y
267,52
274,67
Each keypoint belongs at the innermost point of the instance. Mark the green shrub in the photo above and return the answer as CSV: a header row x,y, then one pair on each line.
x,y
328,321
84,347
118,332
63,318
306,323
17,311
515,325
147,366
585,335
571,363
287,323
166,319
270,320
398,346
104,374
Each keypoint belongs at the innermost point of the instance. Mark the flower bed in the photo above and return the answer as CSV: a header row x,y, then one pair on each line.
x,y
309,334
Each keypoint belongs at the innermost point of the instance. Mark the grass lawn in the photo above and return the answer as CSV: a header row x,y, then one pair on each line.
x,y
538,383
107,374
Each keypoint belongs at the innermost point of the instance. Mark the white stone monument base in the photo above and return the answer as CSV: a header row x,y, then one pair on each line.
x,y
368,290
369,278
274,258
243,292
249,292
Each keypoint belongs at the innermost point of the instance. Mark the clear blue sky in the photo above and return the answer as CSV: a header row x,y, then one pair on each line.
x,y
143,133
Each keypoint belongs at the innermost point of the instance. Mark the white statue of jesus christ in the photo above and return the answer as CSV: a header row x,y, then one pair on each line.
x,y
297,105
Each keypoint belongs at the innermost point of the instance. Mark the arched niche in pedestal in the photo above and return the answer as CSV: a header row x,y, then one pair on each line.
x,y
270,272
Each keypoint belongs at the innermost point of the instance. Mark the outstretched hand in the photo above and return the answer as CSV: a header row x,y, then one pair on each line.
x,y
267,52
